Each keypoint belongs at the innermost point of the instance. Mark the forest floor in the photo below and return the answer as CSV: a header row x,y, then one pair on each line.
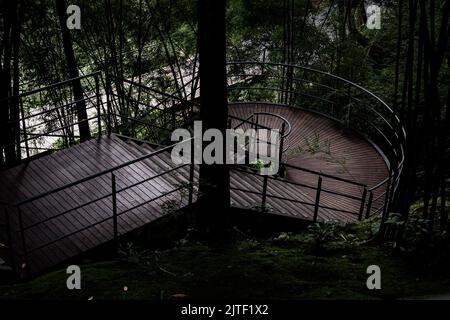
x,y
318,263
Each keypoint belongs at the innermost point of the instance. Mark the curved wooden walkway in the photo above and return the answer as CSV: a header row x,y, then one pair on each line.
x,y
64,224
321,144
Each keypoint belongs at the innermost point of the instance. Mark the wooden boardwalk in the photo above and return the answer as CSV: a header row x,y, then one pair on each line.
x,y
64,224
78,218
323,145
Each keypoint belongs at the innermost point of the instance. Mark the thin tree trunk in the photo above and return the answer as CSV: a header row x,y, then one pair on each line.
x,y
72,66
7,112
15,103
214,179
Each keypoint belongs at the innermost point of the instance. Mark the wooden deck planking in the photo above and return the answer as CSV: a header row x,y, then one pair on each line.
x,y
351,157
363,164
64,167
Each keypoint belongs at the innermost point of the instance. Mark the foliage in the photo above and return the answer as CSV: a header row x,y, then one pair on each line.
x,y
172,206
415,234
315,144
250,268
128,252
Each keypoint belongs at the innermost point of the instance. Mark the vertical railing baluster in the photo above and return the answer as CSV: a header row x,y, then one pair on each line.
x,y
173,116
349,105
10,239
363,204
108,104
385,215
257,137
114,205
316,205
24,243
369,204
394,177
386,200
25,135
191,173
97,93
283,128
264,193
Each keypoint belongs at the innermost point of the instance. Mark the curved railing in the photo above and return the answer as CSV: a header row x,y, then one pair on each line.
x,y
354,106
332,96
285,127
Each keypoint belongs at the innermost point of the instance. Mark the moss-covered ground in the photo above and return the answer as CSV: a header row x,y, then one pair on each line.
x,y
317,263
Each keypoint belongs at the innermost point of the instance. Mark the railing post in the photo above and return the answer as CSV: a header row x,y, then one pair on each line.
x,y
173,117
256,137
392,188
369,204
363,204
10,240
316,205
386,200
384,217
24,243
97,93
281,142
114,205
264,193
25,136
191,173
349,104
108,104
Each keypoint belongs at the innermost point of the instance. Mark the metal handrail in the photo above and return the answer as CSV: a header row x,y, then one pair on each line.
x,y
248,122
39,135
379,100
378,185
103,197
302,184
295,200
51,86
326,175
140,85
40,113
280,117
101,173
100,222
386,128
400,135
390,130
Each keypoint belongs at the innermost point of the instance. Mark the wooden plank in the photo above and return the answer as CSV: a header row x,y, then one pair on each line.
x,y
363,162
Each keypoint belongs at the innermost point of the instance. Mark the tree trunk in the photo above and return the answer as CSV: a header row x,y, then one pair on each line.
x,y
213,222
8,107
72,67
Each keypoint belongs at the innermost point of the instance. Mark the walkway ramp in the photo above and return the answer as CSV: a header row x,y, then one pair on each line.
x,y
66,203
63,224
